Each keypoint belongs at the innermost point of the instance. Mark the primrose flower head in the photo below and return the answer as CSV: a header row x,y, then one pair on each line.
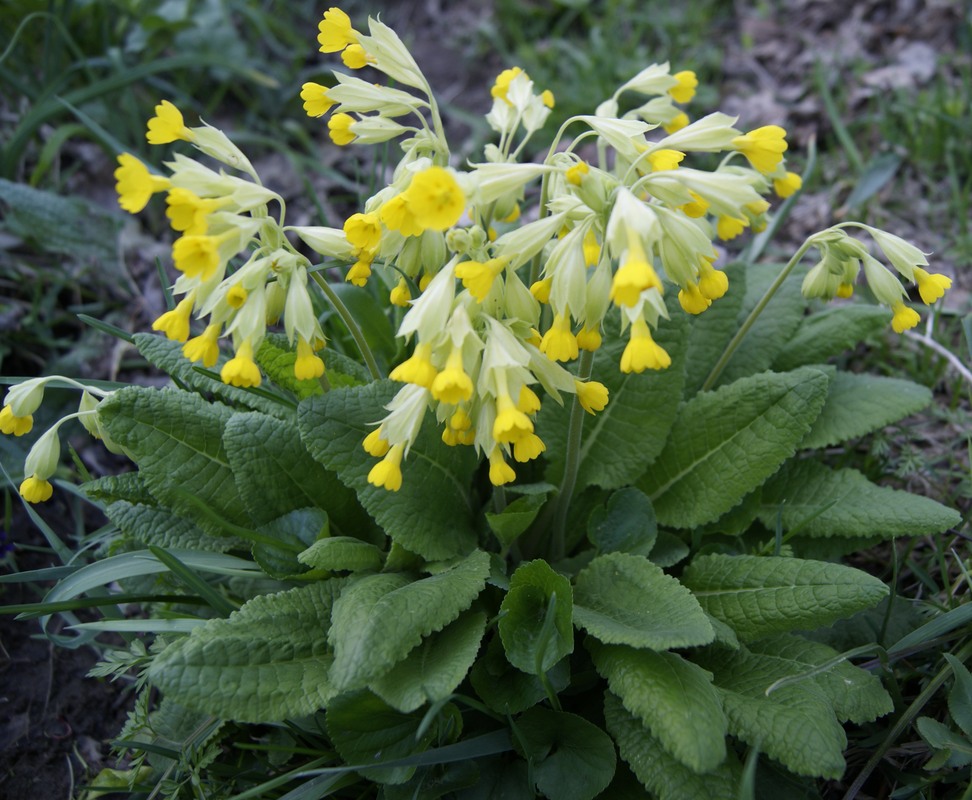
x,y
763,147
339,128
204,348
435,199
241,370
788,184
135,184
167,125
316,101
931,286
592,395
387,473
685,89
500,473
642,352
335,31
904,317
19,405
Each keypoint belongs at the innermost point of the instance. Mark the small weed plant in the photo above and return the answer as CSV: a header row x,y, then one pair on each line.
x,y
503,488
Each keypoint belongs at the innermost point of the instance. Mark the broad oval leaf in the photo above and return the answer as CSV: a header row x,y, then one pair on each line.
x,y
536,626
621,598
758,596
339,553
726,443
625,525
829,333
507,690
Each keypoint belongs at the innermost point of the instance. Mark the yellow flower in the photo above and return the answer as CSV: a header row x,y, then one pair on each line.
x,y
502,84
135,184
339,129
359,273
589,339
187,212
175,323
697,208
541,290
241,370
592,395
510,423
528,448
397,216
387,473
308,365
676,124
685,90
642,352
559,343
236,296
576,173
662,160
730,227
167,125
845,290
316,101
355,57
514,215
375,444
478,277
10,423
363,231
400,295
335,31
633,277
592,250
435,199
500,472
789,184
763,147
418,369
547,98
904,317
35,490
692,300
713,283
452,385
196,256
204,347
931,286
528,402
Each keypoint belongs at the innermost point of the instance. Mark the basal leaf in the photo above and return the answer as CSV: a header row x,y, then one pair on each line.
x,y
960,696
339,553
860,404
673,697
515,518
151,524
662,774
366,730
433,670
842,502
275,474
433,514
176,438
505,689
285,537
266,662
726,443
795,724
759,596
380,618
626,599
620,441
536,626
127,486
570,758
626,525
829,333
856,695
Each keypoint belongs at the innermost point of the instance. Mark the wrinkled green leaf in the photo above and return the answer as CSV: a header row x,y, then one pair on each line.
x,y
626,525
536,627
505,689
338,553
829,333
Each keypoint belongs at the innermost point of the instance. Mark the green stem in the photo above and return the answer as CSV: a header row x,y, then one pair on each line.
x,y
753,316
356,333
571,462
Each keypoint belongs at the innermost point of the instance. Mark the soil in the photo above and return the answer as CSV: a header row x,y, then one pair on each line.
x,y
54,722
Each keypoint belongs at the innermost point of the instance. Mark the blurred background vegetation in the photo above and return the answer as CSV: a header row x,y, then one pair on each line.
x,y
883,89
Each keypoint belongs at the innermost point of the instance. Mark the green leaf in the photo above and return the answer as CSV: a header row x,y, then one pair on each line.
x,y
856,695
277,360
266,662
515,518
860,404
711,331
433,670
668,550
289,535
501,779
625,599
570,758
433,514
772,329
380,618
960,697
535,628
673,697
176,438
505,689
941,737
829,333
626,525
275,474
151,524
620,441
759,596
127,486
726,443
664,776
366,730
338,553
167,356
795,725
842,502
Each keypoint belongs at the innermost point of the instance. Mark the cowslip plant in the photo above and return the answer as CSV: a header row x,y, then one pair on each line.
x,y
585,514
